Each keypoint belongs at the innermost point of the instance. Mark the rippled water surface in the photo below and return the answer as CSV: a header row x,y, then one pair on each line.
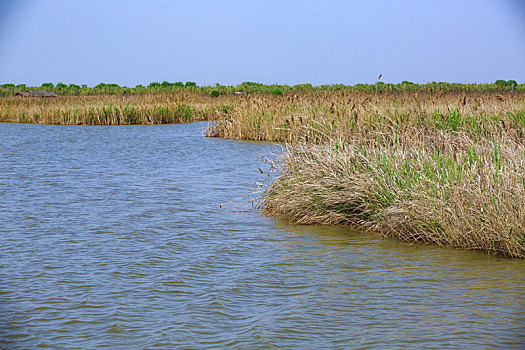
x,y
115,237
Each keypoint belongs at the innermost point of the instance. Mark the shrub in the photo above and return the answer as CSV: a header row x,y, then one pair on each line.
x,y
190,84
251,84
226,109
214,93
277,92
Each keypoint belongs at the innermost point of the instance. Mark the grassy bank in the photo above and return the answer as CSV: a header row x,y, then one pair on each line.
x,y
441,168
446,188
424,168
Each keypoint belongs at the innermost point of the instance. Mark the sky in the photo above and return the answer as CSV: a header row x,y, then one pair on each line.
x,y
287,42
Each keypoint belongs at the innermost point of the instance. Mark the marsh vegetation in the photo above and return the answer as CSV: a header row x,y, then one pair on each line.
x,y
447,168
441,163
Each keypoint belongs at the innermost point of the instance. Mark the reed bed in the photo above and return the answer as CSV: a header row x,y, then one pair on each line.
x,y
111,109
446,168
443,169
323,116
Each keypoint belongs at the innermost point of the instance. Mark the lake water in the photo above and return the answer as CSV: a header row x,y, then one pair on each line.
x,y
132,237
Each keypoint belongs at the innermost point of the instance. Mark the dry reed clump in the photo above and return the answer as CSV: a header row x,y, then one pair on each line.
x,y
443,188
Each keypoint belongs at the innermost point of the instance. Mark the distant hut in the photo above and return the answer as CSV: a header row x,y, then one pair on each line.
x,y
36,93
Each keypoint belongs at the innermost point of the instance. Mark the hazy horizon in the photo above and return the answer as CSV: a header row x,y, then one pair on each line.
x,y
230,42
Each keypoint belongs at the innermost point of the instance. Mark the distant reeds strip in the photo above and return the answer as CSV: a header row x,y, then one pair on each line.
x,y
109,110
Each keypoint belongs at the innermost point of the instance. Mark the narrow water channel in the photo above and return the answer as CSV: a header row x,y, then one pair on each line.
x,y
134,237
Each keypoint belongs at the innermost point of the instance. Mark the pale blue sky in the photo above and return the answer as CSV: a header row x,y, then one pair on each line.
x,y
288,42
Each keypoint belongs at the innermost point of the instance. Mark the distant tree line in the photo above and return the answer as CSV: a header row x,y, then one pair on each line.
x,y
257,88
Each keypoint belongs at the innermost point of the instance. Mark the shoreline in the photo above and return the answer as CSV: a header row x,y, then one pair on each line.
x,y
444,168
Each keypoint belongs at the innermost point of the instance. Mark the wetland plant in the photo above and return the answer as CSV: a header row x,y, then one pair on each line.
x,y
442,188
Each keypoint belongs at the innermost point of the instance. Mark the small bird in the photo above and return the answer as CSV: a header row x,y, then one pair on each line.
x,y
380,75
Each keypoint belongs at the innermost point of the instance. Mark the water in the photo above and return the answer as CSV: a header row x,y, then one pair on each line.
x,y
131,238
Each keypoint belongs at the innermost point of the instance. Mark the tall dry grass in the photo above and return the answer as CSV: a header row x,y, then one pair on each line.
x,y
443,188
322,116
446,168
446,171
159,108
